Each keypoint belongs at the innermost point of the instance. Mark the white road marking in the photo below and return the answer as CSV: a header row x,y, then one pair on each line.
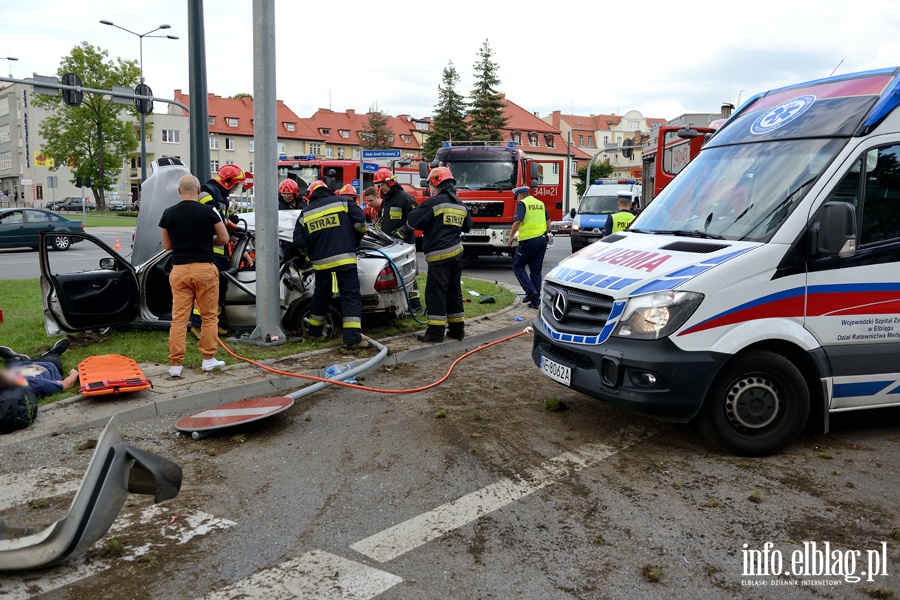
x,y
408,535
315,575
236,412
20,488
185,527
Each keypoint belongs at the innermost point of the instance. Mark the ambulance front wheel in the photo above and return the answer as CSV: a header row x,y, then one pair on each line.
x,y
757,405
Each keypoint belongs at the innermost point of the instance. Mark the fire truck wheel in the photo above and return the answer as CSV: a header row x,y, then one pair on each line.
x,y
757,405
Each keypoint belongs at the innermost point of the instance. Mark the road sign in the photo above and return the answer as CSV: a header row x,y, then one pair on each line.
x,y
52,181
370,154
355,184
236,413
121,90
370,167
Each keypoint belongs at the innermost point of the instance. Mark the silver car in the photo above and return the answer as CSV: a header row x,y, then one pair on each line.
x,y
136,292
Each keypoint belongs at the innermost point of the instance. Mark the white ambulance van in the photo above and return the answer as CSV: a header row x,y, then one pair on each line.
x,y
761,288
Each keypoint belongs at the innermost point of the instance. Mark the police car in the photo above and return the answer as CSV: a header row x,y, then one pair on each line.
x,y
759,290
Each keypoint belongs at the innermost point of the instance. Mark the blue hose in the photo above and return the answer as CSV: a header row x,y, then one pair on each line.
x,y
402,283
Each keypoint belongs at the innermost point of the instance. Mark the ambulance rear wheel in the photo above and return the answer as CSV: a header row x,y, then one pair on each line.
x,y
757,405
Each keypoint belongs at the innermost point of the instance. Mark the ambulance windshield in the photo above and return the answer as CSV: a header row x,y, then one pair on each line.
x,y
741,192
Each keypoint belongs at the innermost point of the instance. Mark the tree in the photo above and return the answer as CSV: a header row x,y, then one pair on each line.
x,y
449,114
377,133
93,139
486,112
241,96
599,170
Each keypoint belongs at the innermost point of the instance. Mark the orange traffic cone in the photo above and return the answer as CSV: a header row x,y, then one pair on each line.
x,y
118,246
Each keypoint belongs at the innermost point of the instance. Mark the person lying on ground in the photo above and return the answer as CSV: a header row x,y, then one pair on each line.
x,y
42,376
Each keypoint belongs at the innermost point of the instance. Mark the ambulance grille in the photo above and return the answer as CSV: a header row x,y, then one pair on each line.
x,y
585,312
695,247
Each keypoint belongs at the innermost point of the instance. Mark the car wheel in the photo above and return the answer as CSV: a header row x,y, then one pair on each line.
x,y
757,405
298,320
61,242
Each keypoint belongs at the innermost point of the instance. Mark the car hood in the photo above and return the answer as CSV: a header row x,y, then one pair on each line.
x,y
635,263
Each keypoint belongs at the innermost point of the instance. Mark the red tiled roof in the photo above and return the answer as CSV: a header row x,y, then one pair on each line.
x,y
525,122
354,122
222,109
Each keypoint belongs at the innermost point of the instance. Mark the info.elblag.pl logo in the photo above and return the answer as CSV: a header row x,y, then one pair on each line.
x,y
816,563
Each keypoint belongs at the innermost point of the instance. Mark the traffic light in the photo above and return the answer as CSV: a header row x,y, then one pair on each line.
x,y
144,106
72,97
82,182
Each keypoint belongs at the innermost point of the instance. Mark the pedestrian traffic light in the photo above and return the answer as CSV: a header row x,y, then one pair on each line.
x,y
72,97
145,107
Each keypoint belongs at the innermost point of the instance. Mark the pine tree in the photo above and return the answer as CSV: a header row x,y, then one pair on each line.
x,y
377,134
449,114
486,114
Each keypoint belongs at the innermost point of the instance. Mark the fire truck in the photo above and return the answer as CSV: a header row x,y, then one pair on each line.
x,y
678,146
485,174
305,169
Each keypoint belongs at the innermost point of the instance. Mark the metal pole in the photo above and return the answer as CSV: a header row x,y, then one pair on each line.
x,y
143,121
568,171
197,87
265,181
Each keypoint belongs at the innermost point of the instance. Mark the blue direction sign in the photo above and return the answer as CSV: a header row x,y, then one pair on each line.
x,y
355,184
370,167
380,154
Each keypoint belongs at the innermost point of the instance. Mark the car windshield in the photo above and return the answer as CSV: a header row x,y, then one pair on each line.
x,y
742,192
596,205
483,175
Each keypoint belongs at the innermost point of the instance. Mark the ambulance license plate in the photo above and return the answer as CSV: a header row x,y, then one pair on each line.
x,y
556,371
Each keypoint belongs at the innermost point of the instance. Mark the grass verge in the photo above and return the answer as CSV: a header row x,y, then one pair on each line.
x,y
104,218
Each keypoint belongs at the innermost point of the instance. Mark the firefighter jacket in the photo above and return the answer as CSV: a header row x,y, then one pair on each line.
x,y
441,218
213,194
395,209
329,230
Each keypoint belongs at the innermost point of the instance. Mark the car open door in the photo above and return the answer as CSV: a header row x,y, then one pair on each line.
x,y
103,297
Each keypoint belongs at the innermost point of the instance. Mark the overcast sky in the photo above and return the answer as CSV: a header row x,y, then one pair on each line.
x,y
660,57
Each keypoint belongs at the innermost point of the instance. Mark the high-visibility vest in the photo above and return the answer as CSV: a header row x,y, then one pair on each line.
x,y
621,220
535,222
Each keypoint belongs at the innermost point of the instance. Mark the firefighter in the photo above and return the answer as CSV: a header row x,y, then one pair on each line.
x,y
620,220
442,218
396,206
328,232
349,192
289,195
531,222
215,192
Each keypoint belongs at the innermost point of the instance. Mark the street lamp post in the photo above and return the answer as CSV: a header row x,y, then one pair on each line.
x,y
10,59
141,37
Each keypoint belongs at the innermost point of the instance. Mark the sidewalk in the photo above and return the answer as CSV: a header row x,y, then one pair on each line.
x,y
198,390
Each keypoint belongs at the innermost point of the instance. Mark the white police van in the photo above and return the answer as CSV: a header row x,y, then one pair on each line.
x,y
596,205
761,288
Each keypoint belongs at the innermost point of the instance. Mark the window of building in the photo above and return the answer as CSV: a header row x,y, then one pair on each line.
x,y
549,141
409,155
290,126
229,144
250,145
532,139
136,162
516,137
232,122
213,141
406,138
605,140
329,152
356,154
280,147
229,162
590,141
212,120
581,140
315,148
5,161
213,166
324,131
340,153
422,125
170,136
633,124
148,136
251,166
345,133
4,133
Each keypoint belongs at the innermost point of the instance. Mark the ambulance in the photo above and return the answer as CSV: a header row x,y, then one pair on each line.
x,y
761,289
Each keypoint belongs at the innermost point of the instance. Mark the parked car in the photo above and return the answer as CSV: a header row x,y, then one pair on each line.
x,y
563,227
23,227
137,292
116,205
55,204
74,203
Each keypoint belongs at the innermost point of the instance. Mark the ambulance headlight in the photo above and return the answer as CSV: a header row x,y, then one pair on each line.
x,y
657,315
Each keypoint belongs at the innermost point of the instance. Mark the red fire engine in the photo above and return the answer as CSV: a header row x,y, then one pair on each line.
x,y
485,174
678,146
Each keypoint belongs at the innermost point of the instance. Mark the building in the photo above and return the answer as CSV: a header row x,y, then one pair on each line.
x,y
341,133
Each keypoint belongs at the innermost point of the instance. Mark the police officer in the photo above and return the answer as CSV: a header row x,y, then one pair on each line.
x,y
620,220
328,232
396,205
289,195
531,222
442,217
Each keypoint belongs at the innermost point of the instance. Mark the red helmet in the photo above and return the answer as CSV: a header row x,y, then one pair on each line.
x,y
347,190
384,175
439,175
288,187
314,186
229,176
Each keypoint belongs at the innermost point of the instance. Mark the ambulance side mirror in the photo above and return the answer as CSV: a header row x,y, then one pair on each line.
x,y
835,232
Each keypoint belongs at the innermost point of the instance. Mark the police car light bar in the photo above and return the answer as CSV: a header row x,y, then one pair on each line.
x,y
611,181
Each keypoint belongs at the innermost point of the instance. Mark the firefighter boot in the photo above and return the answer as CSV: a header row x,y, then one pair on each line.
x,y
456,331
434,334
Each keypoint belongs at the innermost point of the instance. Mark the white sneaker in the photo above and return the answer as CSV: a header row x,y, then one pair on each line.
x,y
175,371
209,364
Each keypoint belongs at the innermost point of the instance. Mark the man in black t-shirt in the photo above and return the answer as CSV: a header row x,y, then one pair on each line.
x,y
189,230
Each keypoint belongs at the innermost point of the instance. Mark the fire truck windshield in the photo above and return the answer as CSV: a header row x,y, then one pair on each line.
x,y
303,175
484,175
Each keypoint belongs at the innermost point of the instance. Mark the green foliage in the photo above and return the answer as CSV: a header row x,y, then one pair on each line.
x,y
486,112
449,114
377,133
97,136
598,171
241,95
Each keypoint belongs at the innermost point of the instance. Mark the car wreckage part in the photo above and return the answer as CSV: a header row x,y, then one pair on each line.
x,y
116,470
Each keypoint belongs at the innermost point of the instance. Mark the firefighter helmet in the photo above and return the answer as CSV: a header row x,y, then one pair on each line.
x,y
288,187
347,190
439,175
229,176
315,185
384,175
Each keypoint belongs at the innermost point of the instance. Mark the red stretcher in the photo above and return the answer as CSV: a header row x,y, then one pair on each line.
x,y
111,374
